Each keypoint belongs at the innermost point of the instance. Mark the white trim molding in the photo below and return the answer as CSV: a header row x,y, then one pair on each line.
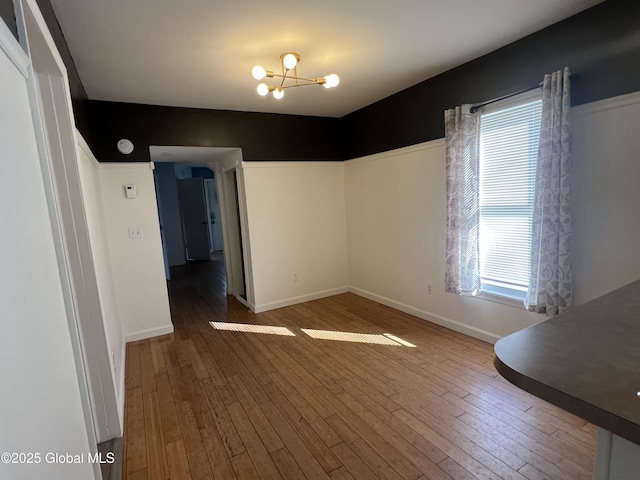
x,y
607,104
301,299
84,146
122,376
12,49
430,317
437,143
149,333
292,164
127,165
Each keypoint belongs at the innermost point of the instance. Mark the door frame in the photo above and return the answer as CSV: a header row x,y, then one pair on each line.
x,y
237,252
224,162
57,143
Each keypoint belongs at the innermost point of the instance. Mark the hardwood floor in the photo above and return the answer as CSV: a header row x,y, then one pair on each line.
x,y
207,403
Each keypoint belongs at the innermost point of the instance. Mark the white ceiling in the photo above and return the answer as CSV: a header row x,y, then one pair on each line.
x,y
199,53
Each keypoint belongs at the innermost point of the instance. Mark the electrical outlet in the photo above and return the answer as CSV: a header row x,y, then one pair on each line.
x,y
135,232
429,289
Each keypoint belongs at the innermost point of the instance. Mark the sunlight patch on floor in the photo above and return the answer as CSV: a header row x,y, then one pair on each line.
x,y
250,328
373,338
399,340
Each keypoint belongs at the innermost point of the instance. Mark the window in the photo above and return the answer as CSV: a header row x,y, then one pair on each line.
x,y
508,153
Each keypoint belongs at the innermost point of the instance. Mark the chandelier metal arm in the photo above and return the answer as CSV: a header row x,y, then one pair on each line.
x,y
289,65
291,77
284,77
310,82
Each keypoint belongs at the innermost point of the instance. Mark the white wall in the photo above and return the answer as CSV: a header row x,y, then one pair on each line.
x,y
296,225
606,195
376,226
396,221
137,264
91,190
40,397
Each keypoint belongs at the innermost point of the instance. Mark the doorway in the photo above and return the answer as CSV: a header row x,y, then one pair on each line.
x,y
194,210
201,216
189,213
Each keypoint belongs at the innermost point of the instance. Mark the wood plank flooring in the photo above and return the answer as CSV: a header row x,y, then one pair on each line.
x,y
204,403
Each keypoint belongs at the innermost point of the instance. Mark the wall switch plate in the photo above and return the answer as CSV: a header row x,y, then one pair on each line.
x,y
135,232
130,191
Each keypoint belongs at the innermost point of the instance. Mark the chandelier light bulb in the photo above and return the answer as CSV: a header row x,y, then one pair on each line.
x,y
289,61
258,72
263,89
331,81
287,76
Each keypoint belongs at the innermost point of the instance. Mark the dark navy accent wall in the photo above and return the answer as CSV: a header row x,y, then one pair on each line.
x,y
8,16
262,136
600,45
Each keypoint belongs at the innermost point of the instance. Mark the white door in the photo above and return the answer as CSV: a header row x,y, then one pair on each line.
x,y
195,223
70,223
215,223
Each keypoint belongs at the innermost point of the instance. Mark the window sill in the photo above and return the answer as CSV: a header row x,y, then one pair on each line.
x,y
509,301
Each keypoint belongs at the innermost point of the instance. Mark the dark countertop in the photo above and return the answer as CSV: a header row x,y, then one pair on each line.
x,y
586,361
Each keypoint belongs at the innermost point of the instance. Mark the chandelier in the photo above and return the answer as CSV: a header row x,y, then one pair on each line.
x,y
289,64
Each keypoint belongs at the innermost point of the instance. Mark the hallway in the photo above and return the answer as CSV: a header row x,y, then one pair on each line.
x,y
274,401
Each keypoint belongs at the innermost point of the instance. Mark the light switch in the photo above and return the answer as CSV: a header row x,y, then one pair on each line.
x,y
135,232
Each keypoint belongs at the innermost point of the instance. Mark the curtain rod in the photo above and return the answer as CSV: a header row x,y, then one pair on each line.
x,y
475,108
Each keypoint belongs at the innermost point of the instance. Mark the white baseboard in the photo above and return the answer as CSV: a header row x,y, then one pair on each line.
x,y
151,332
430,317
416,312
265,307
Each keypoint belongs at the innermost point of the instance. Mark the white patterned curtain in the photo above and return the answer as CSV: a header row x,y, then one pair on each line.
x,y
462,275
550,285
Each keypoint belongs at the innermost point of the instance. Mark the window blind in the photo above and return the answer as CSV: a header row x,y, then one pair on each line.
x,y
508,153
